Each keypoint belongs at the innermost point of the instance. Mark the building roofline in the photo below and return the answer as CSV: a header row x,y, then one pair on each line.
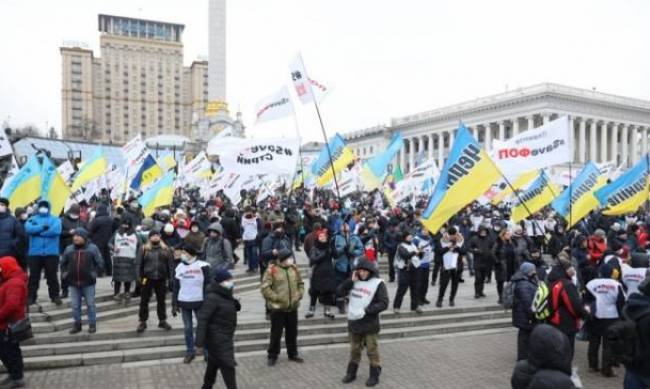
x,y
99,16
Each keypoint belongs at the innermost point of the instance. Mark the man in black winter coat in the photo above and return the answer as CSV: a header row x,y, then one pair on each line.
x,y
548,364
368,296
525,281
637,375
101,232
480,246
70,223
12,233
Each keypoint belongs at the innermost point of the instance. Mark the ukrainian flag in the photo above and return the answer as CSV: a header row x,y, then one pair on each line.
x,y
628,193
519,183
468,173
95,167
53,189
167,162
540,193
374,170
25,186
160,194
148,173
342,156
578,199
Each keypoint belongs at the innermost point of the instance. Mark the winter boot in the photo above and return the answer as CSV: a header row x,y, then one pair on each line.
x,y
311,312
76,328
351,375
92,328
373,380
327,313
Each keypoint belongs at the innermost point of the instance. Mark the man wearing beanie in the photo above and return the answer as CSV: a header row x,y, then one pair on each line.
x,y
215,329
70,222
283,288
191,277
154,268
609,298
637,309
525,286
12,234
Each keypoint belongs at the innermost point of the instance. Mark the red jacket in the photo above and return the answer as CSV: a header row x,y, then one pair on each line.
x,y
13,292
642,237
596,248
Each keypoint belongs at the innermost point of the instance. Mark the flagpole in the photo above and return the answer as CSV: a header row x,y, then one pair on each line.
x,y
322,127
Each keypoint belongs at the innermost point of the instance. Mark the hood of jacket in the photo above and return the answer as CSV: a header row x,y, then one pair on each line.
x,y
216,226
550,349
9,267
557,273
365,263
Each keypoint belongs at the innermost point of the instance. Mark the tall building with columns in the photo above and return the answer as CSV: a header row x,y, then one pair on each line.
x,y
605,127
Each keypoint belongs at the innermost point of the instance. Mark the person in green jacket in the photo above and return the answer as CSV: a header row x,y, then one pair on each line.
x,y
283,288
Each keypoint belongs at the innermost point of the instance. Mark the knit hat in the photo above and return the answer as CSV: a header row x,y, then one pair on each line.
x,y
605,270
616,226
527,268
82,232
284,254
221,275
154,232
5,201
600,232
147,223
169,228
517,230
189,249
74,208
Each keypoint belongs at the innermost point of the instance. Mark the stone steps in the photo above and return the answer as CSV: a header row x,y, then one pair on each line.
x,y
48,352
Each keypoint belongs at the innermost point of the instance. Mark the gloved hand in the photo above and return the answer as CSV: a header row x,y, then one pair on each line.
x,y
175,310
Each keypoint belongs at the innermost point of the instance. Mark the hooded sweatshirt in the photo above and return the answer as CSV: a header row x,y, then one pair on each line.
x,y
13,292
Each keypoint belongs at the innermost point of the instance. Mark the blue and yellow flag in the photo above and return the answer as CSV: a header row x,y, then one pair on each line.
x,y
95,167
521,181
468,173
25,186
374,170
540,193
167,162
160,194
148,173
53,189
628,193
578,199
342,156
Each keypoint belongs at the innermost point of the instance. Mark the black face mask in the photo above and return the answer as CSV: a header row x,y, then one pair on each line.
x,y
79,244
277,233
155,243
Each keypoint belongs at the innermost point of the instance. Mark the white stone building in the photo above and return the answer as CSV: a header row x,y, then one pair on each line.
x,y
606,127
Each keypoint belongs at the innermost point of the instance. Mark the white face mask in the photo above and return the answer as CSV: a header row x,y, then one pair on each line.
x,y
3,208
228,284
195,229
289,261
74,216
24,216
43,210
184,258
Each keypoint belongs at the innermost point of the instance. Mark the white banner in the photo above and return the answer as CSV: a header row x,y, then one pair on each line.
x,y
256,156
5,145
66,170
134,152
275,106
300,81
196,171
538,148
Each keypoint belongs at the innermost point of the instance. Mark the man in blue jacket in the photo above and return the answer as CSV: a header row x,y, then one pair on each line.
x,y
43,231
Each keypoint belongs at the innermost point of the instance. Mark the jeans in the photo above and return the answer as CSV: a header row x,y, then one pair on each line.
x,y
188,328
11,357
470,263
48,263
634,380
287,322
88,293
251,255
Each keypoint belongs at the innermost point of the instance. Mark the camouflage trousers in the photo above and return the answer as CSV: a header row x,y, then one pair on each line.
x,y
358,342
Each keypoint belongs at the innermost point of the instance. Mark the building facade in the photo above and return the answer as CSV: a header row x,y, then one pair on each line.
x,y
138,85
606,127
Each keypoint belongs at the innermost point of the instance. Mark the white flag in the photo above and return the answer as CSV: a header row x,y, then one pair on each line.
x,y
66,170
275,106
256,156
538,148
5,145
134,152
301,81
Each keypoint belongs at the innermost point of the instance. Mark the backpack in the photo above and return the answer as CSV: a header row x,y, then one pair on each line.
x,y
508,297
542,307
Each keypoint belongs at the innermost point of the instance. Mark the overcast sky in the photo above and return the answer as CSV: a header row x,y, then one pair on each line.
x,y
381,58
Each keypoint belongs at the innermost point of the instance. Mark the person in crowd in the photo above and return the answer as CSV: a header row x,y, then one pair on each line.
x,y
195,237
637,309
80,264
12,232
43,231
13,298
191,277
481,247
231,229
124,248
558,242
134,213
521,246
217,250
548,364
170,237
215,329
609,298
154,268
390,242
347,247
70,222
101,231
567,306
452,251
634,271
283,288
504,253
407,262
322,285
367,297
21,216
424,242
536,258
181,223
274,242
250,225
525,286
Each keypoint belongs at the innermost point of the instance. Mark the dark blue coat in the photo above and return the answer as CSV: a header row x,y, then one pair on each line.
x,y
11,235
522,314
